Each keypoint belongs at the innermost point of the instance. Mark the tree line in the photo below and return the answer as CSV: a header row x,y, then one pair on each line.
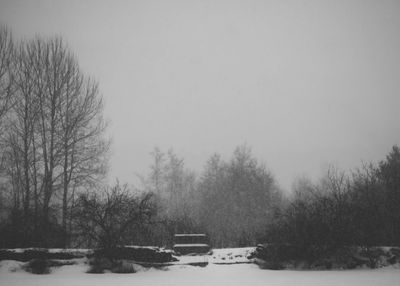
x,y
239,203
232,201
54,158
360,208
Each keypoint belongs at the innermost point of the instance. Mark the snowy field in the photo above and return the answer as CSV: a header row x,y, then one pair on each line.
x,y
213,274
226,267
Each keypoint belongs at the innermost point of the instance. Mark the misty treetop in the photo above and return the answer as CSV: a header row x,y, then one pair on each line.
x,y
231,201
237,199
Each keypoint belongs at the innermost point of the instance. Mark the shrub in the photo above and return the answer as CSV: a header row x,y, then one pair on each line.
x,y
38,266
141,254
98,265
112,214
123,267
37,253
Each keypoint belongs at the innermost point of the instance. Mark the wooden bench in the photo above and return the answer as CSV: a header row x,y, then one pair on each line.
x,y
191,244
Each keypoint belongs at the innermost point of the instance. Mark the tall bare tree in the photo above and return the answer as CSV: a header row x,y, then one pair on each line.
x,y
6,78
84,150
71,125
55,139
20,125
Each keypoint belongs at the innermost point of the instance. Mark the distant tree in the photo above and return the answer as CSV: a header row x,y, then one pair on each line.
x,y
341,210
318,215
110,215
213,209
300,222
389,174
336,201
157,171
369,207
174,187
238,199
180,185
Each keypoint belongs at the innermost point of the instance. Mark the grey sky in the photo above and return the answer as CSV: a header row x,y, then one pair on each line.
x,y
304,83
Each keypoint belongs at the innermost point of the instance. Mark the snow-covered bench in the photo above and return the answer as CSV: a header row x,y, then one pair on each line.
x,y
191,243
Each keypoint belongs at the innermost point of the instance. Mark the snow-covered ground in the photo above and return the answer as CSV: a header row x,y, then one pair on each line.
x,y
213,274
226,267
231,255
219,256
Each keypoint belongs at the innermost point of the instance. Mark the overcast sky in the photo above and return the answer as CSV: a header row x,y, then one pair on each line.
x,y
304,83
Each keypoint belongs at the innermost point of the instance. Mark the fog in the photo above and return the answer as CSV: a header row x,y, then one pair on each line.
x,y
305,83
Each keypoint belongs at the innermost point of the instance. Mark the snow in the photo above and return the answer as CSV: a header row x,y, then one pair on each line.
x,y
191,245
141,247
190,259
231,255
232,275
51,250
240,272
218,256
10,266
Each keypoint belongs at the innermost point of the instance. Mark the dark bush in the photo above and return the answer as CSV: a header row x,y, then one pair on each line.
x,y
392,259
279,256
21,231
95,269
123,267
30,254
140,254
38,266
97,265
275,252
274,256
282,256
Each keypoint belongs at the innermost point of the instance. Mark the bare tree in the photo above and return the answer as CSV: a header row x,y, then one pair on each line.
x,y
157,172
108,215
389,175
84,150
70,123
173,187
6,78
55,142
20,126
